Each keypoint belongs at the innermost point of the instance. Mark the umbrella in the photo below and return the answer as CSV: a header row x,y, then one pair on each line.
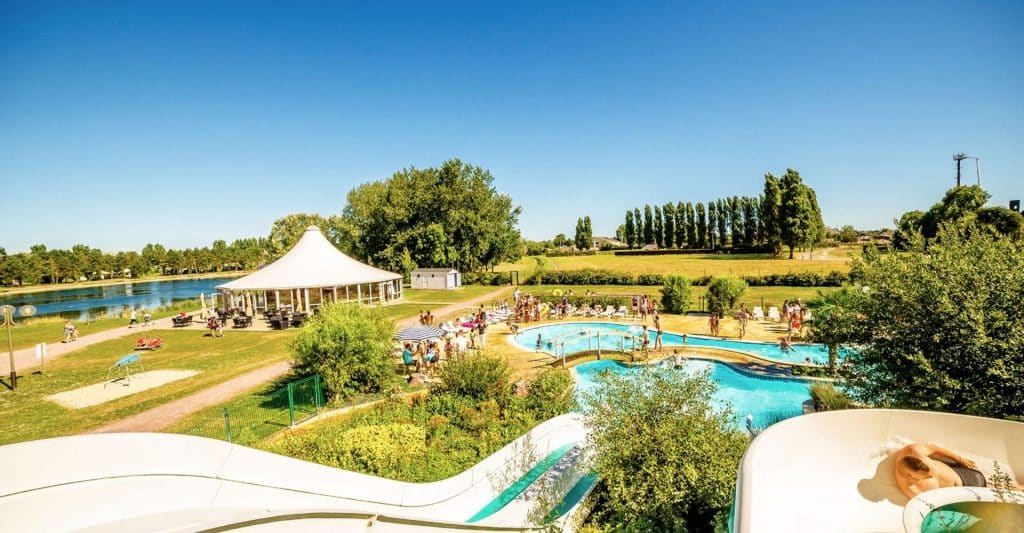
x,y
419,333
556,292
202,300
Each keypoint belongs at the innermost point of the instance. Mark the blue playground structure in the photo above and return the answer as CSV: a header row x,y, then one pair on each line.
x,y
125,367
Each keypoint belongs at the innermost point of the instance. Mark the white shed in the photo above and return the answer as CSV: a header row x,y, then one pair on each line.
x,y
436,278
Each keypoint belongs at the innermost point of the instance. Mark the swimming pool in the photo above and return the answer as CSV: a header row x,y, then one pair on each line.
x,y
763,398
565,335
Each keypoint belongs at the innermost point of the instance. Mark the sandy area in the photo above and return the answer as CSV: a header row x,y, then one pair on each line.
x,y
117,388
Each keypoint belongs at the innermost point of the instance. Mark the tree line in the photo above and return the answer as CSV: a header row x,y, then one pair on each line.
x,y
434,217
785,214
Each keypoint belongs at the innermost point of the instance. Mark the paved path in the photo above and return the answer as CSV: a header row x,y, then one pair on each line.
x,y
455,307
168,414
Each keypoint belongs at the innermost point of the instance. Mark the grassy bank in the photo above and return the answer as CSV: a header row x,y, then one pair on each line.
x,y
9,291
29,415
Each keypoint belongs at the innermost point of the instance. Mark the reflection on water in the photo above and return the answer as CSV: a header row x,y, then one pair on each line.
x,y
111,300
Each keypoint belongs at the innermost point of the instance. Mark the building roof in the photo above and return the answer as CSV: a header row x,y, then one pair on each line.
x,y
436,270
312,262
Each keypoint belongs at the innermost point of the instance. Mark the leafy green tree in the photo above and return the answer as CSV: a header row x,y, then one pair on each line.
x,y
648,225
906,227
561,240
749,220
620,233
836,314
581,235
404,212
723,222
960,205
847,234
736,221
713,239
641,233
630,230
659,227
669,211
350,346
680,225
1003,221
702,226
724,293
588,229
801,223
675,294
667,454
942,329
691,226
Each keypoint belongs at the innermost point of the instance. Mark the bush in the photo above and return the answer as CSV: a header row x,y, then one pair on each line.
x,y
675,295
479,377
723,293
592,276
350,346
377,450
550,394
486,278
827,397
666,453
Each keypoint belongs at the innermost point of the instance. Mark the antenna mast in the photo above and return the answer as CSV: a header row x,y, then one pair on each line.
x,y
959,158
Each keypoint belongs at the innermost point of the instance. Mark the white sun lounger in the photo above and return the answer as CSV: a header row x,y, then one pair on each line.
x,y
621,313
773,314
758,313
607,313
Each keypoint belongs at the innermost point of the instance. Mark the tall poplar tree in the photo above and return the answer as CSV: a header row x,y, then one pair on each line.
x,y
771,205
702,227
669,211
659,228
713,240
723,222
691,226
638,236
630,230
750,220
736,222
648,225
681,225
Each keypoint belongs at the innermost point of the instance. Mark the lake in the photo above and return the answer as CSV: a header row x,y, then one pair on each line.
x,y
83,302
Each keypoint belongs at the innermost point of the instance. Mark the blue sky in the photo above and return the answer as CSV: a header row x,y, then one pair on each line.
x,y
180,123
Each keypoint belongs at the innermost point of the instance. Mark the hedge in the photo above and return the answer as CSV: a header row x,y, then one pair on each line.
x,y
590,276
486,278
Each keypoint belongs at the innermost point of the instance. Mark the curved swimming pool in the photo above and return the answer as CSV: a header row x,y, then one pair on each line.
x,y
766,399
576,337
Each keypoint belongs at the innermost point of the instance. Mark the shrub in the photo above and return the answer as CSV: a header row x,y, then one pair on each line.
x,y
675,295
350,346
827,397
479,377
723,293
666,453
550,394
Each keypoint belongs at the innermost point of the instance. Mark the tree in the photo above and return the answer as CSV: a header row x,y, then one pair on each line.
x,y
702,226
691,226
800,218
713,239
680,225
675,294
659,227
749,220
639,238
589,231
736,222
960,205
723,222
836,313
942,329
581,235
847,234
620,233
350,346
648,225
561,240
908,225
1002,220
771,213
816,233
669,211
724,293
630,230
666,452
446,216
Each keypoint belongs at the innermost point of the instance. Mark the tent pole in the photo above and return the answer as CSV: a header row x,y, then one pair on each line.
x,y
335,294
359,294
305,296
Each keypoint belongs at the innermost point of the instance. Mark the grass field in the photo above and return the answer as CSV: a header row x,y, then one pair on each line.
x,y
29,415
753,296
688,265
433,296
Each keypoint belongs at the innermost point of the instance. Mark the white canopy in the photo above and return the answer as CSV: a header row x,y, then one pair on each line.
x,y
312,262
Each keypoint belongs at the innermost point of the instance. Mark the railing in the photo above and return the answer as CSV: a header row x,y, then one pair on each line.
x,y
626,342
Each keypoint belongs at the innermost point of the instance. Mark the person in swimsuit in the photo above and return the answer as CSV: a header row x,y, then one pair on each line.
x,y
923,467
658,332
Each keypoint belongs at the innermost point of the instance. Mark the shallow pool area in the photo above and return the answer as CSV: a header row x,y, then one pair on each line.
x,y
766,399
574,337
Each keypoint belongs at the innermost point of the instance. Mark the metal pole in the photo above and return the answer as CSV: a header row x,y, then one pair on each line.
x,y
227,424
10,347
291,405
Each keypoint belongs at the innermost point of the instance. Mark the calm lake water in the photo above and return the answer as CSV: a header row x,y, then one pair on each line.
x,y
92,301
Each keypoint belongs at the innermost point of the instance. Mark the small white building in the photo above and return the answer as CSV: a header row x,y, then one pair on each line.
x,y
436,278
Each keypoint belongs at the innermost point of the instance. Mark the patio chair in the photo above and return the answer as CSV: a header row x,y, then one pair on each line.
x,y
621,313
758,313
773,314
608,312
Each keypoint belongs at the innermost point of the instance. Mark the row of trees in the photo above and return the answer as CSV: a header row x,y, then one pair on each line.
x,y
584,234
787,213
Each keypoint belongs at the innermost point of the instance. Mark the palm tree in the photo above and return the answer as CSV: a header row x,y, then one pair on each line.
x,y
835,318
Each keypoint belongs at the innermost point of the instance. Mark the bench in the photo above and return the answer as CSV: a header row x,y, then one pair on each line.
x,y
182,321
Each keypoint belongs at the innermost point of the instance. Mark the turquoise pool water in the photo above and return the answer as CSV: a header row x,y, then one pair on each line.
x,y
573,338
747,395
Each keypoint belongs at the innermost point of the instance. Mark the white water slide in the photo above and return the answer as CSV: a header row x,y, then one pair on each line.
x,y
165,482
830,471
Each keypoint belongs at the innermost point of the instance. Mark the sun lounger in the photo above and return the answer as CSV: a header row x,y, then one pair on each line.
x,y
758,313
773,314
148,343
621,313
607,312
182,321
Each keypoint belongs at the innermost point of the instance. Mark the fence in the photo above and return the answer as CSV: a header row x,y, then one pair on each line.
x,y
258,416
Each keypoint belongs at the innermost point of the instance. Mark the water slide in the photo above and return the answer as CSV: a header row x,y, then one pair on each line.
x,y
830,471
166,482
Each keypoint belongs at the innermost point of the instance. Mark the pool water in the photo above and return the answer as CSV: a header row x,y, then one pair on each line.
x,y
764,398
576,337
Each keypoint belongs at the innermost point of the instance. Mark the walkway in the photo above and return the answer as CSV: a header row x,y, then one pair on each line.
x,y
170,413
454,308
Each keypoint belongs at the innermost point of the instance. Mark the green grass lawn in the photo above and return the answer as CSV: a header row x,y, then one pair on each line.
x,y
688,265
30,332
462,293
29,415
753,296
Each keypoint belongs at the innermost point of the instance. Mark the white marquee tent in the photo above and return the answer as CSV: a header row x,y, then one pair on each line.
x,y
311,273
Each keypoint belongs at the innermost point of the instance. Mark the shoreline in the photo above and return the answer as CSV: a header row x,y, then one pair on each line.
x,y
14,291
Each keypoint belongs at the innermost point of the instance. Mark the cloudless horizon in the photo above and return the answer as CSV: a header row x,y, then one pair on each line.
x,y
125,123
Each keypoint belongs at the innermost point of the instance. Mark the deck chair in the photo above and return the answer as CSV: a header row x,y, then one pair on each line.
x,y
621,313
608,312
773,314
758,313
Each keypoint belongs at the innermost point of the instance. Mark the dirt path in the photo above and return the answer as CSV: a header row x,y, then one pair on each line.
x,y
455,307
170,413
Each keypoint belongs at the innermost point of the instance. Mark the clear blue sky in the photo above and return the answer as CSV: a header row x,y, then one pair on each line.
x,y
123,123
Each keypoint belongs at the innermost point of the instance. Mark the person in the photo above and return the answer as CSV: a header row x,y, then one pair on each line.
x,y
481,332
711,324
678,359
658,331
181,314
430,358
540,342
133,319
423,318
922,467
786,343
742,315
461,344
408,358
515,295
216,329
70,332
147,319
645,338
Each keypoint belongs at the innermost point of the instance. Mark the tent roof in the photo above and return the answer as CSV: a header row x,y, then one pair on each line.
x,y
312,262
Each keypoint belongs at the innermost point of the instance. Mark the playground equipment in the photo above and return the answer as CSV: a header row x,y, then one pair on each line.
x,y
148,343
597,339
125,367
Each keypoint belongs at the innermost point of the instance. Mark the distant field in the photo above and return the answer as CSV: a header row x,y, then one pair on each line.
x,y
688,265
765,296
438,296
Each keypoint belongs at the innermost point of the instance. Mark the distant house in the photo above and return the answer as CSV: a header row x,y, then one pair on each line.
x,y
650,247
436,278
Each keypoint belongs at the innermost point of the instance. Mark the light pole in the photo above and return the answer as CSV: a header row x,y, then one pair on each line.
x,y
8,313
